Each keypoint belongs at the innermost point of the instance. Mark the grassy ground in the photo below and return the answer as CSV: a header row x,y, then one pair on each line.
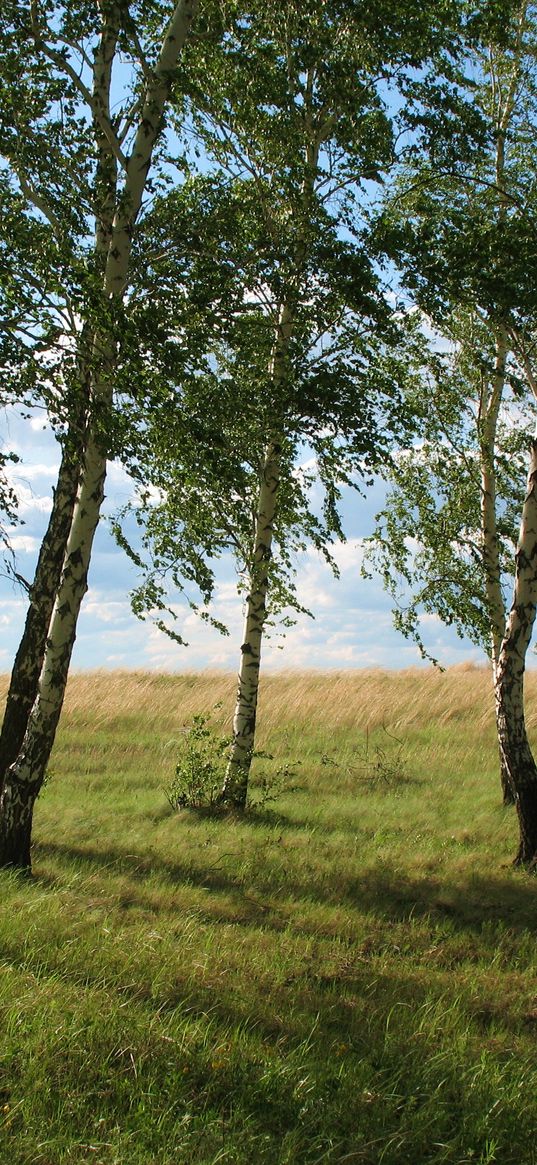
x,y
348,977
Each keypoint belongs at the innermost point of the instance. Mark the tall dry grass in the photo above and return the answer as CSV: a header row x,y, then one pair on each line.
x,y
365,700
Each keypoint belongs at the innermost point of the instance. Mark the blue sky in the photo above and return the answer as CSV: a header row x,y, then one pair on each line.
x,y
352,626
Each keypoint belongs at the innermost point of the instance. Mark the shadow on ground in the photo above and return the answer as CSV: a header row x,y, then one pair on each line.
x,y
509,898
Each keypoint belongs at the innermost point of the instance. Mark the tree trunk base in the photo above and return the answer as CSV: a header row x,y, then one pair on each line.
x,y
526,860
527,817
234,794
16,815
231,803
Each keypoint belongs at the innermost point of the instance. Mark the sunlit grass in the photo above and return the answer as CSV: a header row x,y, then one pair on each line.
x,y
348,977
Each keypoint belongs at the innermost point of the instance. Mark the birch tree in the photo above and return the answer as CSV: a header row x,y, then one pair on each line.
x,y
79,49
515,749
296,128
37,281
317,131
473,262
445,541
339,409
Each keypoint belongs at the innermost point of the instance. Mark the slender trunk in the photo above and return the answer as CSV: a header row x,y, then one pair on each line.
x,y
17,803
25,776
508,793
489,529
504,102
235,788
28,662
514,744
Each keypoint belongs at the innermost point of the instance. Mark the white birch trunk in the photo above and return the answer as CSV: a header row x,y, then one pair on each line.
x,y
31,651
491,559
24,778
235,787
513,740
510,713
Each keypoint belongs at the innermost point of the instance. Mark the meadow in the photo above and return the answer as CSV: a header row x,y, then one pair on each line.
x,y
347,974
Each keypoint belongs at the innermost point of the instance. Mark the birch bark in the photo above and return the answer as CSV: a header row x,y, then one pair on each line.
x,y
30,654
513,740
25,776
28,661
235,787
491,558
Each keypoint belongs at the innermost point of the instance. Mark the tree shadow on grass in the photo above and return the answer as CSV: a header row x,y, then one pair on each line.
x,y
342,990
357,1053
137,866
254,816
469,902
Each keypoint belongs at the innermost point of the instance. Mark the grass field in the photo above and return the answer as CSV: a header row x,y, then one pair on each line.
x,y
348,976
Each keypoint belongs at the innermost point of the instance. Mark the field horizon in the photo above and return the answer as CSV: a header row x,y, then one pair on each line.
x,y
347,974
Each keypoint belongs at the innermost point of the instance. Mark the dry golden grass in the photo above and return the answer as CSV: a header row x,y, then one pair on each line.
x,y
365,700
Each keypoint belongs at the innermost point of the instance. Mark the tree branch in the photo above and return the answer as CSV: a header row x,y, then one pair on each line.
x,y
65,66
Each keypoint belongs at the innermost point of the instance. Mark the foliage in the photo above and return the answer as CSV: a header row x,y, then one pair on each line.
x,y
294,125
444,544
200,771
65,161
268,787
428,541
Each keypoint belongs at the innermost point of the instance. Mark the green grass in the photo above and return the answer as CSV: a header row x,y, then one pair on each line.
x,y
350,977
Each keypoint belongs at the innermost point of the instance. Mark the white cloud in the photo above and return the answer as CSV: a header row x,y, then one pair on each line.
x,y
105,610
118,636
29,502
24,543
40,424
349,555
12,608
352,628
29,472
